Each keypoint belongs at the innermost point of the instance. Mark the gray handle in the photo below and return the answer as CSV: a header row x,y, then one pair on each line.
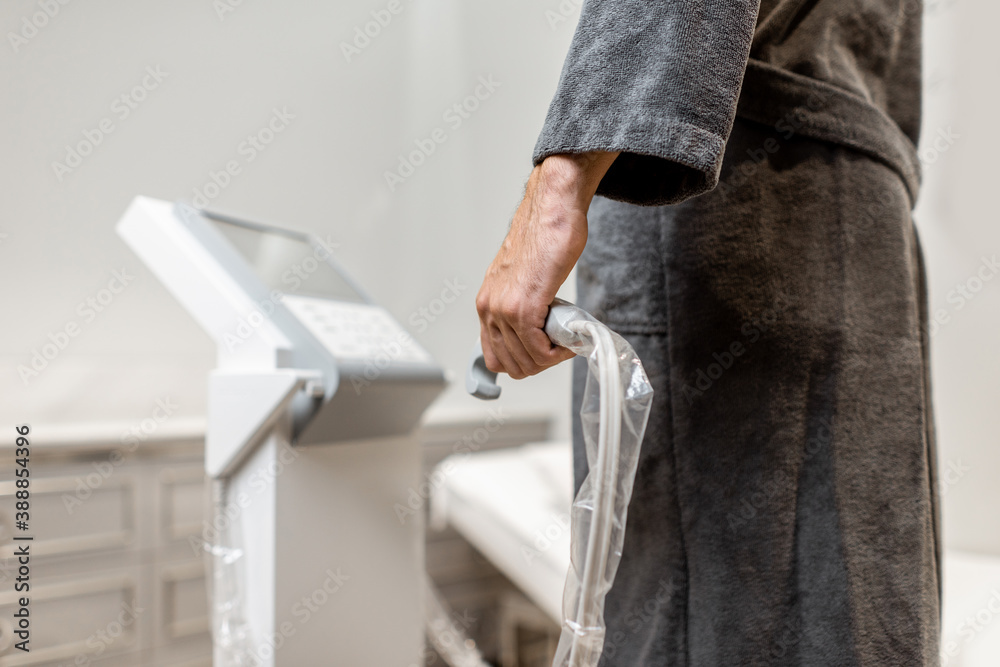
x,y
481,382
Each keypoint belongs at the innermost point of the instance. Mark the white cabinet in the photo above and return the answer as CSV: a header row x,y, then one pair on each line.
x,y
114,577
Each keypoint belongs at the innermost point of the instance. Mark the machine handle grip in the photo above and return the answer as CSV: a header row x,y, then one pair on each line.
x,y
481,382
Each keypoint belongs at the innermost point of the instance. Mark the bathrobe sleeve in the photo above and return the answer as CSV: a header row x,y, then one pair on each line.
x,y
657,80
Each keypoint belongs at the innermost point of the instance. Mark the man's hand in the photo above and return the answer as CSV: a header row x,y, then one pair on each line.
x,y
546,238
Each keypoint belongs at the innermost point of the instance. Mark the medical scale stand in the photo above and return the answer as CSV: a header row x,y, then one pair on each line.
x,y
311,469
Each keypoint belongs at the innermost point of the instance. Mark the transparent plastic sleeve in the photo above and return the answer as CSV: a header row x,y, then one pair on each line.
x,y
224,563
615,408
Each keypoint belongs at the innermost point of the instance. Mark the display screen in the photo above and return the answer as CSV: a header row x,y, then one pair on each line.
x,y
287,263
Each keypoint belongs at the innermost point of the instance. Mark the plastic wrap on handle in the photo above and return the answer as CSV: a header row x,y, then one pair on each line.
x,y
616,403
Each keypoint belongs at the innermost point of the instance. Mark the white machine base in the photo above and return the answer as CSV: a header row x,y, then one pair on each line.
x,y
344,572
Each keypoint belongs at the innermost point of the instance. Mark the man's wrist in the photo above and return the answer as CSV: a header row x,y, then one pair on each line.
x,y
575,177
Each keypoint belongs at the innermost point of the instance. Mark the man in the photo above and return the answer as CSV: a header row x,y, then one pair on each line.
x,y
755,169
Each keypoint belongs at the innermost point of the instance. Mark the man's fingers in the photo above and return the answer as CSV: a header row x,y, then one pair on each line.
x,y
495,351
492,363
503,356
542,351
561,354
505,352
521,356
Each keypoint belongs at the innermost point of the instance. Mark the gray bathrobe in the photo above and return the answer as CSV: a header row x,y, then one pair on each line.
x,y
754,243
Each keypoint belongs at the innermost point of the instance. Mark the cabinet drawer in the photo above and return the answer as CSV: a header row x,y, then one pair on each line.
x,y
73,515
94,617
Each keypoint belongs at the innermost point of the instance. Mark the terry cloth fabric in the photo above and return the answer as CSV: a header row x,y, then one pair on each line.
x,y
754,243
784,510
661,82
